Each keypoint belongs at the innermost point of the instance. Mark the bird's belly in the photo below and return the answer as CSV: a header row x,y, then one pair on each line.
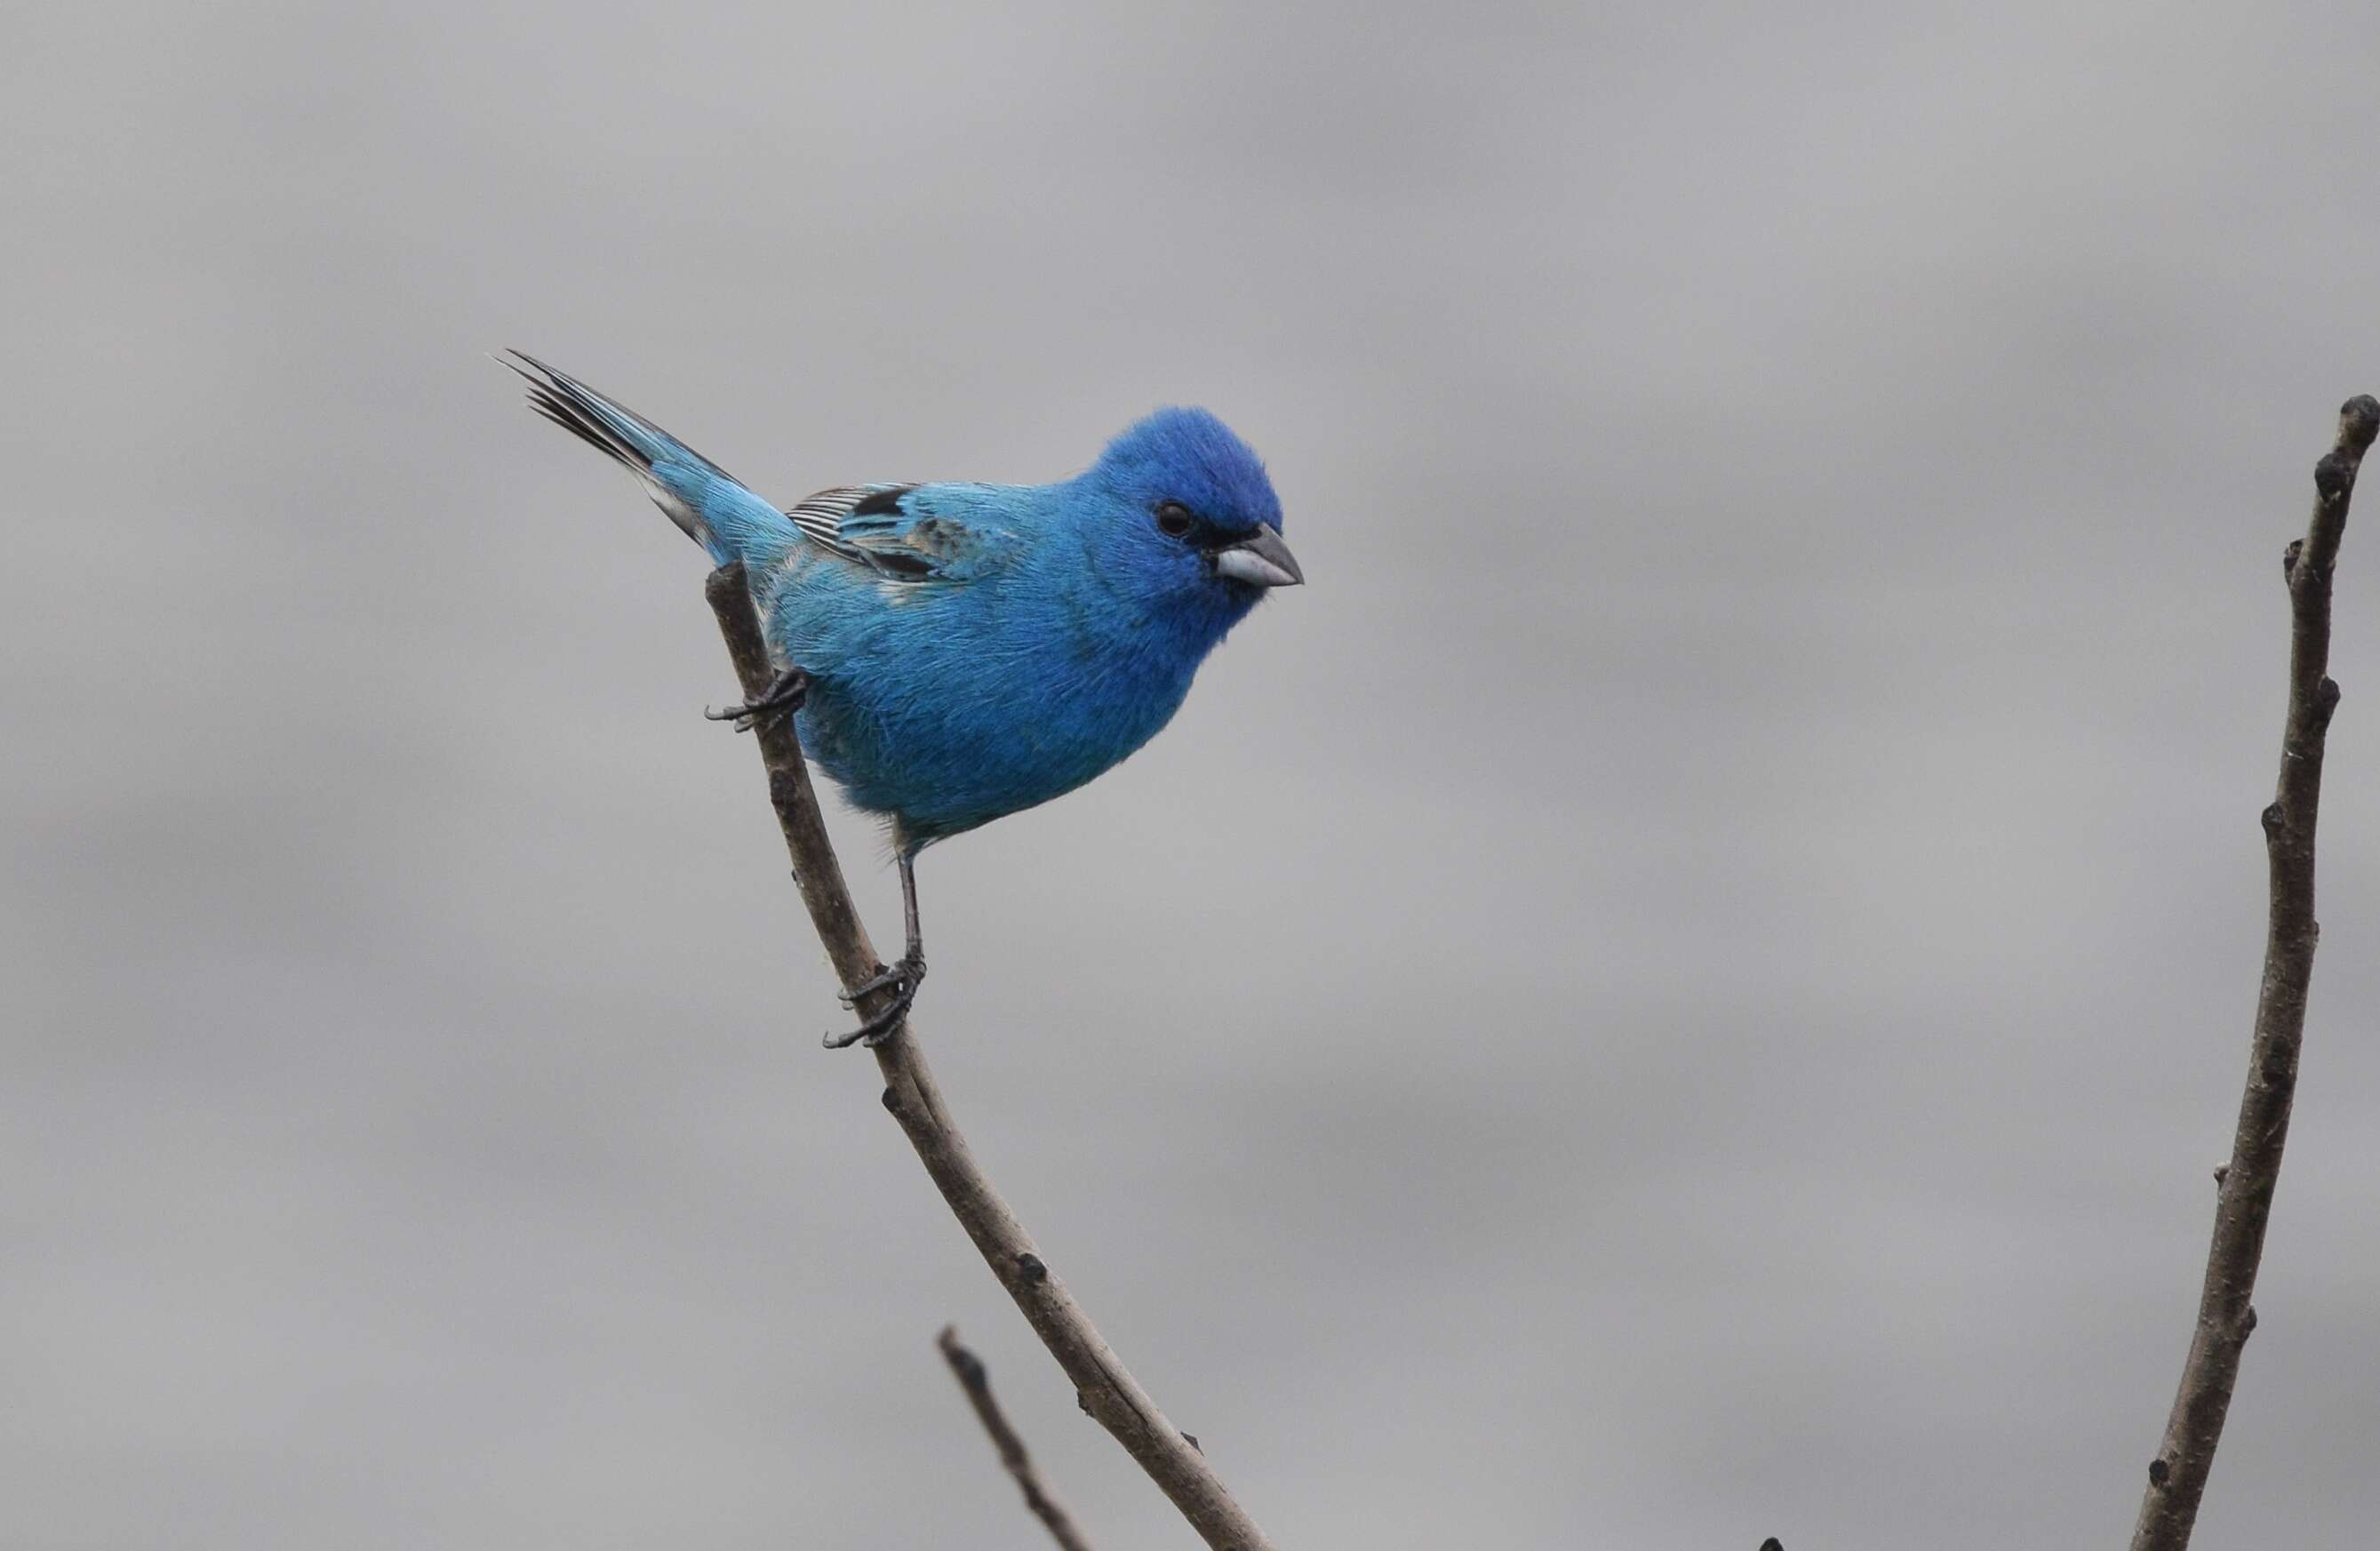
x,y
970,748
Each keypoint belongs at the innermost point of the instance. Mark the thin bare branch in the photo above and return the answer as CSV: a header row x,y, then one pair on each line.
x,y
969,1371
2244,1195
1107,1390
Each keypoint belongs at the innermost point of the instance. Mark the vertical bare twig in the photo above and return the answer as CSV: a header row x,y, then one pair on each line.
x,y
968,1369
1107,1389
2244,1198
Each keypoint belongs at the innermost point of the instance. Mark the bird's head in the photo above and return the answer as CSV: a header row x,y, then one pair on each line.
x,y
1192,517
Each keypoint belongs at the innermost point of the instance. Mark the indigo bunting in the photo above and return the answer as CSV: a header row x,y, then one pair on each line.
x,y
951,653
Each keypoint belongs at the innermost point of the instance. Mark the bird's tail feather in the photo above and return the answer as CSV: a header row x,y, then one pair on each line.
x,y
709,504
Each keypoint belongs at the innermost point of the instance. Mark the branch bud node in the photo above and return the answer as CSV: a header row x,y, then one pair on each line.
x,y
2332,475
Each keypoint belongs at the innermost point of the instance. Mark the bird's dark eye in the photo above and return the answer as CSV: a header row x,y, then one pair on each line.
x,y
1173,518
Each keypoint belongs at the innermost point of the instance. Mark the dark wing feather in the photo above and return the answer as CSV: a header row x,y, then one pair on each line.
x,y
820,517
865,524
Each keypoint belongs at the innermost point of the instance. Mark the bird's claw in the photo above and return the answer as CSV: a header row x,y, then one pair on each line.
x,y
904,976
910,968
783,697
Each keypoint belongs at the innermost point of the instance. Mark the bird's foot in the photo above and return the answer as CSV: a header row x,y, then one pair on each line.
x,y
905,976
782,697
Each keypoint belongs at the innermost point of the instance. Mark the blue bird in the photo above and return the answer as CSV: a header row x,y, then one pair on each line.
x,y
953,653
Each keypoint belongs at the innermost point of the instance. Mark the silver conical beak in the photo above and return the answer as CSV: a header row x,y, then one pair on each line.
x,y
1263,561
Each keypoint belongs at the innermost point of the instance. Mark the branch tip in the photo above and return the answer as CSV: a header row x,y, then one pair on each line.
x,y
720,587
974,1382
2359,421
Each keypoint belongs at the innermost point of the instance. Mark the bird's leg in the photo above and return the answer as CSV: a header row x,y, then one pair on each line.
x,y
907,975
782,697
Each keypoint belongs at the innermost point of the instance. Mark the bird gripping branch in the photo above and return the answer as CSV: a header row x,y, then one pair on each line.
x,y
953,653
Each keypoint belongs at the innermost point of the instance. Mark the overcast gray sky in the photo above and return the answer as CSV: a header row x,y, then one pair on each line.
x,y
1686,988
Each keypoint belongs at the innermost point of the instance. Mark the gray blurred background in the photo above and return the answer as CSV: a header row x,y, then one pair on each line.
x,y
1686,988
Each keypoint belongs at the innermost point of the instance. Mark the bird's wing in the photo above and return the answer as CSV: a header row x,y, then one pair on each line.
x,y
903,533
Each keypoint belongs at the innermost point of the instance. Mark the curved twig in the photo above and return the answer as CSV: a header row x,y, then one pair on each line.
x,y
1107,1390
2244,1198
